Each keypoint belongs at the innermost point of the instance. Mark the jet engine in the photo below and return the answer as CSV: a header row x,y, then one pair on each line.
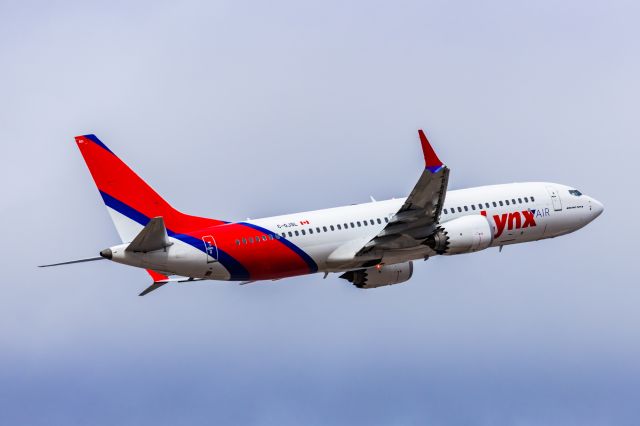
x,y
381,275
465,234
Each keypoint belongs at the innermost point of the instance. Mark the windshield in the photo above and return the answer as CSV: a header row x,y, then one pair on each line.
x,y
575,192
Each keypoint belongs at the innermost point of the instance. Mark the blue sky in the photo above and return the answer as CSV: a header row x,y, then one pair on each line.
x,y
248,109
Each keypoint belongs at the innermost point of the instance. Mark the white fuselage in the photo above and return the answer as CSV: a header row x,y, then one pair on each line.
x,y
520,212
569,213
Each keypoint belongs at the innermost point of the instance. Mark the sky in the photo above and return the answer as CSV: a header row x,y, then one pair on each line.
x,y
235,109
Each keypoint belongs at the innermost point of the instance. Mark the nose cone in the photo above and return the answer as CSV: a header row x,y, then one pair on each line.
x,y
596,208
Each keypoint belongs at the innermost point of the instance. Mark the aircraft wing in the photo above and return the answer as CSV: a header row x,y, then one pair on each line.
x,y
419,215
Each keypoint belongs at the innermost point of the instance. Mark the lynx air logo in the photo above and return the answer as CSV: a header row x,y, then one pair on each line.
x,y
516,220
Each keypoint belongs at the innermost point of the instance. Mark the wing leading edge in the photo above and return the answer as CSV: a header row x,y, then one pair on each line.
x,y
419,215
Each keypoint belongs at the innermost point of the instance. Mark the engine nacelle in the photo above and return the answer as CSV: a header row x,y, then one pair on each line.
x,y
380,276
465,234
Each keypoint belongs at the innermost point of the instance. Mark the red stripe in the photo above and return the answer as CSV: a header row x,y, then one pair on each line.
x,y
115,178
264,260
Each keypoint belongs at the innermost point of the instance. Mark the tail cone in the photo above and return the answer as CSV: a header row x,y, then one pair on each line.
x,y
106,253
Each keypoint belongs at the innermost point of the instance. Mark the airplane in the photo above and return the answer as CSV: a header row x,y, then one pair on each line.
x,y
371,244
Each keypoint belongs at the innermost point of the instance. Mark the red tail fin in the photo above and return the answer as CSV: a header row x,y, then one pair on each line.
x,y
128,197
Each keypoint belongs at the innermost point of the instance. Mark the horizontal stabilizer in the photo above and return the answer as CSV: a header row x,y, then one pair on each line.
x,y
152,287
90,259
152,237
160,279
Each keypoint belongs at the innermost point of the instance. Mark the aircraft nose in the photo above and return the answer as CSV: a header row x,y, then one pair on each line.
x,y
596,207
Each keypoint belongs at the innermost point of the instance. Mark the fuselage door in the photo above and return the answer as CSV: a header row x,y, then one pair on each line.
x,y
210,248
555,198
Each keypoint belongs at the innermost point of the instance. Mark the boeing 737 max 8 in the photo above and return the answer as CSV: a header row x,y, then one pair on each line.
x,y
371,244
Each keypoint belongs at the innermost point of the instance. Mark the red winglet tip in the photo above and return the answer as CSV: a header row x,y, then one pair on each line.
x,y
156,276
430,157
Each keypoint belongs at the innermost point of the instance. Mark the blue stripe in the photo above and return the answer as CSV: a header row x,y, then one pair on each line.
x,y
97,141
235,268
121,207
313,267
435,169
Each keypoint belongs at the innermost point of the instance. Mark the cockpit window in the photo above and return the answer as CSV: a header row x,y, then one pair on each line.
x,y
575,192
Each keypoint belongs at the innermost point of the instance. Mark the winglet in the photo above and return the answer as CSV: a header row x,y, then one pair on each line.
x,y
431,160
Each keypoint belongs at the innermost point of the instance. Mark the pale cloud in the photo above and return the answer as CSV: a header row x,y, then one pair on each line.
x,y
237,109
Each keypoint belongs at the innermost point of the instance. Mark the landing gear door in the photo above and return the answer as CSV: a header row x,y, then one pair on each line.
x,y
555,198
210,248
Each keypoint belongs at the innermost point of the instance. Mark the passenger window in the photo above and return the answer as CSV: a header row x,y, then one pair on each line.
x,y
332,228
466,209
445,211
310,230
379,221
264,238
258,239
297,233
250,240
487,205
459,209
237,242
318,230
303,232
290,234
386,219
346,226
324,228
526,199
533,200
507,201
513,200
501,203
480,206
473,206
244,241
371,221
519,200
364,222
278,236
339,227
270,237
494,204
353,225
359,224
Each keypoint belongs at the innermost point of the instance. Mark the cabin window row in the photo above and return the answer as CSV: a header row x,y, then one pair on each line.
x,y
311,231
337,227
452,210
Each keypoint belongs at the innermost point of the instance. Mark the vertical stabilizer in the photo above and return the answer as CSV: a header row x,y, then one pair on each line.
x,y
130,201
